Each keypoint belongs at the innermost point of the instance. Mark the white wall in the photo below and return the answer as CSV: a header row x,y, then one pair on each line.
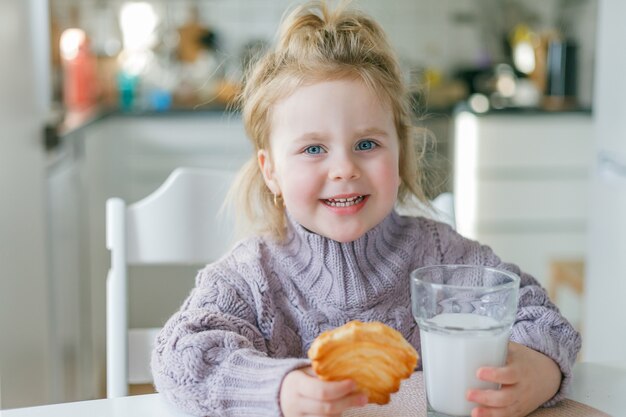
x,y
23,286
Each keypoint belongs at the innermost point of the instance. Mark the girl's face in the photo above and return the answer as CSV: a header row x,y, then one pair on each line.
x,y
334,158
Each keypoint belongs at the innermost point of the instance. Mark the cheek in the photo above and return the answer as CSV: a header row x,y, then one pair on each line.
x,y
389,173
299,181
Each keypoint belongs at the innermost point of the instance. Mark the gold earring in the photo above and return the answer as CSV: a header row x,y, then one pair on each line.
x,y
279,203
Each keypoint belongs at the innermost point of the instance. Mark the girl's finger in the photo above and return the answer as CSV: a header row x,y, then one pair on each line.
x,y
319,390
503,375
489,412
321,415
491,398
333,407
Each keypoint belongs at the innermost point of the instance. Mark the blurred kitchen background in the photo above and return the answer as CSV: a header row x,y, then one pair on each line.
x,y
106,97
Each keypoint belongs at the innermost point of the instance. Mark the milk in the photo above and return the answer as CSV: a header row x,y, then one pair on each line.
x,y
452,356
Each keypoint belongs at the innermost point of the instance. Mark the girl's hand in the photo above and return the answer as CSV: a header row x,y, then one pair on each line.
x,y
528,380
302,393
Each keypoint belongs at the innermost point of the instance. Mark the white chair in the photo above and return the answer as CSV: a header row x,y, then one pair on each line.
x,y
181,223
442,209
444,206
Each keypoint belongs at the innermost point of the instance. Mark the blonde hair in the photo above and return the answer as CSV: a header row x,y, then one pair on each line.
x,y
316,43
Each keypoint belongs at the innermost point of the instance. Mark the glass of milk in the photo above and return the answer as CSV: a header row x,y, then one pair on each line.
x,y
465,314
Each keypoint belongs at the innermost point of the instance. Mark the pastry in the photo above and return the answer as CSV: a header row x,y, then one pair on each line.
x,y
375,356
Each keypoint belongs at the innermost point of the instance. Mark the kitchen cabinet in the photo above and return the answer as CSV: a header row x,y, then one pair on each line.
x,y
519,182
69,291
146,149
127,156
521,186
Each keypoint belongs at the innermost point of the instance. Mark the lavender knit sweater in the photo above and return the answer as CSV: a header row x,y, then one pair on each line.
x,y
253,314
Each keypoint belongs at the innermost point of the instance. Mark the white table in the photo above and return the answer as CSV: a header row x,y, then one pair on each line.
x,y
602,386
152,405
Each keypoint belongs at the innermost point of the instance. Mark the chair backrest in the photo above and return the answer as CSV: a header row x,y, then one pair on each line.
x,y
444,206
442,209
180,223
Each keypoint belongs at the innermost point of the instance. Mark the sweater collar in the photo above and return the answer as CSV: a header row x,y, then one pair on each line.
x,y
351,275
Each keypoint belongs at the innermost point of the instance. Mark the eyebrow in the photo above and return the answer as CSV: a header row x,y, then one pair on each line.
x,y
359,133
372,131
306,137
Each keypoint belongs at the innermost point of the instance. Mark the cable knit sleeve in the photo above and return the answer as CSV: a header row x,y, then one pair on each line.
x,y
211,358
539,324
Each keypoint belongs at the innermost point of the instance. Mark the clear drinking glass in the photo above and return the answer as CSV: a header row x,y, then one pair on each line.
x,y
465,314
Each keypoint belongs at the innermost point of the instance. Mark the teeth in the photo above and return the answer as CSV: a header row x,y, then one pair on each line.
x,y
344,202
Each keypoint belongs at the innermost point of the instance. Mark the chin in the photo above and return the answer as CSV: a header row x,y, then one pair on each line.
x,y
343,231
344,239
345,236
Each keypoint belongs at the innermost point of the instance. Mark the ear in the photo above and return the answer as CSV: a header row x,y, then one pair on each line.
x,y
268,171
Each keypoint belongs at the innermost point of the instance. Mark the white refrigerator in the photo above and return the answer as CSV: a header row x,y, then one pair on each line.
x,y
24,102
605,279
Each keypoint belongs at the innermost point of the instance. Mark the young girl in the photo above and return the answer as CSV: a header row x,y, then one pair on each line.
x,y
330,119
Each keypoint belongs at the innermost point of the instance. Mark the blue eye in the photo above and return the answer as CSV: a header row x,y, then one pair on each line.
x,y
313,150
366,145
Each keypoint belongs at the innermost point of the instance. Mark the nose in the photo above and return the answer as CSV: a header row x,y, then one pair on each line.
x,y
344,167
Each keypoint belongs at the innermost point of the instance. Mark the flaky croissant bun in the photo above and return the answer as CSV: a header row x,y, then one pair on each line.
x,y
374,355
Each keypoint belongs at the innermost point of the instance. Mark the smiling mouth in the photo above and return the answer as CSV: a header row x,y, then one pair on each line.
x,y
344,202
